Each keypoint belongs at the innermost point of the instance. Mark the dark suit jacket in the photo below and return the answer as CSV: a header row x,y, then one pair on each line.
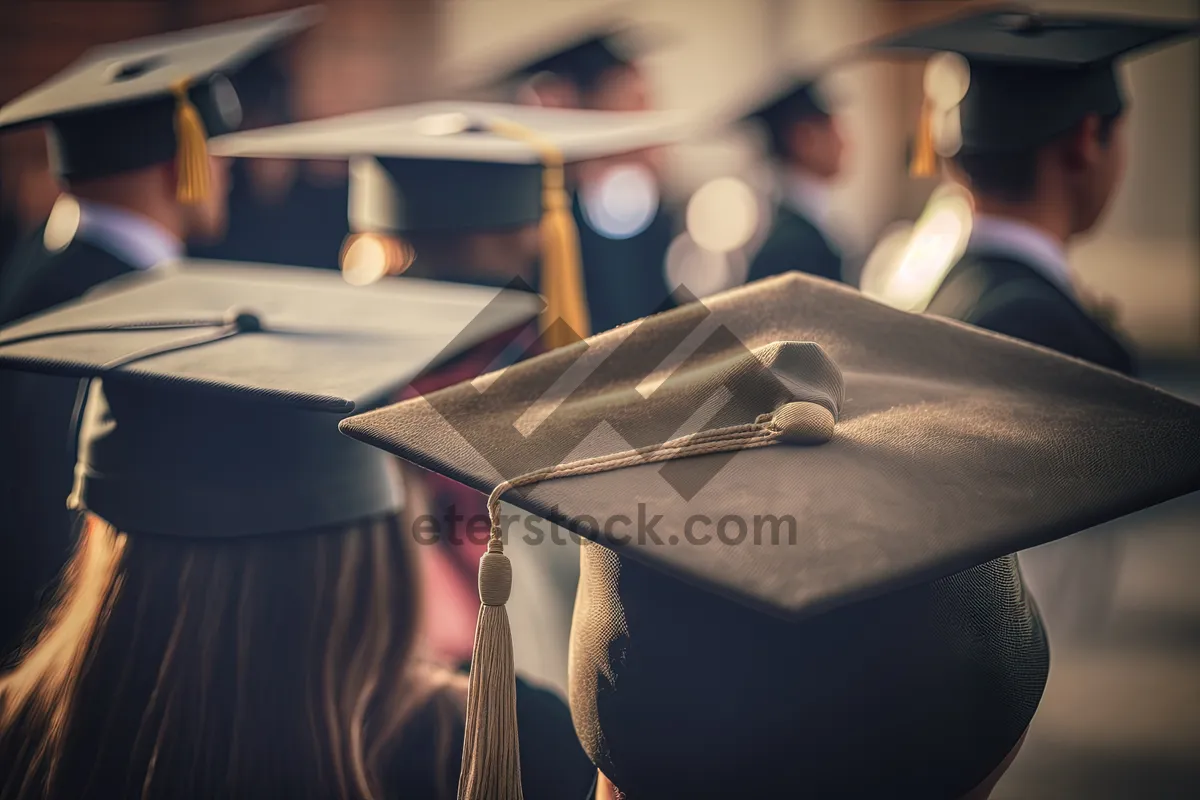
x,y
795,243
624,278
37,460
1008,296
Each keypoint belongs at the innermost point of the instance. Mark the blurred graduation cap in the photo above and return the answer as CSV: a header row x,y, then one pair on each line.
x,y
1022,78
219,391
579,51
126,106
584,60
789,101
461,167
826,580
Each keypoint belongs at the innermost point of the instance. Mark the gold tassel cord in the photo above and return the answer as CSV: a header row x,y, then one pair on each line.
x,y
191,155
491,768
924,162
562,274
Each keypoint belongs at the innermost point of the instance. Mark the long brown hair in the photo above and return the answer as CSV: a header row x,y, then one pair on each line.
x,y
276,666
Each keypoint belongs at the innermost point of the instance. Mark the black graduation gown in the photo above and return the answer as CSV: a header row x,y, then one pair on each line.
x,y
796,243
37,460
1004,294
304,228
553,764
625,279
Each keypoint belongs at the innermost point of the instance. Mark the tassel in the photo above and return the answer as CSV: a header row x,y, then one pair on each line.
x,y
924,162
491,764
191,141
562,274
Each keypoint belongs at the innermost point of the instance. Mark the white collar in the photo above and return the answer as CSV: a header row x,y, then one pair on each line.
x,y
1033,246
807,196
137,240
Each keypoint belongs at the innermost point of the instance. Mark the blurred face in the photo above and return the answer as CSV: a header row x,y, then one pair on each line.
x,y
549,92
621,89
504,254
818,146
206,221
1094,162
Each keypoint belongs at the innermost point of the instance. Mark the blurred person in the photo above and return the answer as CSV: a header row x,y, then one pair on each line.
x,y
624,228
805,140
464,192
127,125
279,212
1042,128
1040,118
241,614
771,633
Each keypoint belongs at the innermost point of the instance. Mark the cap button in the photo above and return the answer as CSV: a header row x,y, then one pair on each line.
x,y
803,423
243,321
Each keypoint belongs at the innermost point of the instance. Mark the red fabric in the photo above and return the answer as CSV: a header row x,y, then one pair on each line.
x,y
450,567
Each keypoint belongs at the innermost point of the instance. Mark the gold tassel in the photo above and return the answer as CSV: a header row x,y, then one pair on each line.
x,y
562,273
924,162
191,143
491,762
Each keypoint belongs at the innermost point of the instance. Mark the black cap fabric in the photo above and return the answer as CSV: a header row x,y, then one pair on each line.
x,y
841,616
114,110
220,387
787,102
584,60
1032,76
438,167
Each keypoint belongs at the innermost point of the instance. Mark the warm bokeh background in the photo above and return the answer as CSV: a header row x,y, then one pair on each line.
x,y
370,53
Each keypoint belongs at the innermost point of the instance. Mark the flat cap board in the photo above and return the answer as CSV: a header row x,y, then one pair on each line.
x,y
321,343
129,72
453,131
953,446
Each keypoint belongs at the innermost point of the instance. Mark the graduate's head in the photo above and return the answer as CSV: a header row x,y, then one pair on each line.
x,y
1034,103
808,583
128,123
803,129
598,71
240,614
1080,169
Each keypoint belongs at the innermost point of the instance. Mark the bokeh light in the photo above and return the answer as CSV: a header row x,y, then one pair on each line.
x,y
908,265
722,215
621,202
368,257
701,271
62,224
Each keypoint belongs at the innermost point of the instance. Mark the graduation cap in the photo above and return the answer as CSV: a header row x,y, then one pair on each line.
x,y
584,60
219,390
461,167
127,106
791,100
1027,77
823,593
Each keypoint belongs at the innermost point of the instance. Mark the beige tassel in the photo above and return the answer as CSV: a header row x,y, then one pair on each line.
x,y
562,273
491,763
924,162
191,143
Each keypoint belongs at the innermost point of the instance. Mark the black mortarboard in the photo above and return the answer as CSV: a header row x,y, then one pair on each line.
x,y
220,388
585,60
819,592
787,102
130,105
445,169
1033,76
460,167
